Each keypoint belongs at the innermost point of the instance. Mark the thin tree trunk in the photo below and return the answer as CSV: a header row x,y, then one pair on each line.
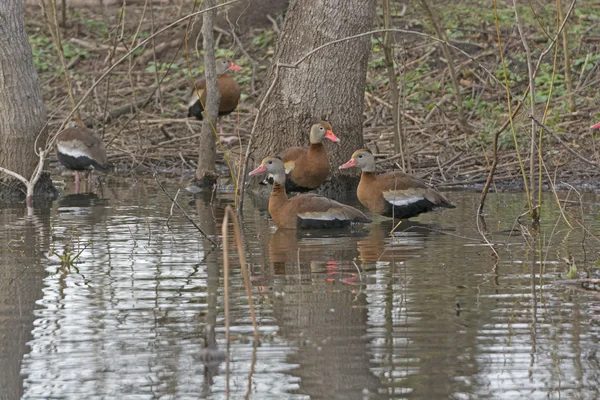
x,y
22,111
328,85
567,61
206,174
393,85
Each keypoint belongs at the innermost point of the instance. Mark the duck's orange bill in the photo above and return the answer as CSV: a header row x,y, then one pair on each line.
x,y
234,67
258,170
597,126
349,164
331,136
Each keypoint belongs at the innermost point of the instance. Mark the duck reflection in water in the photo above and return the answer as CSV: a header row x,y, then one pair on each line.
x,y
406,242
88,208
81,200
329,251
318,252
320,303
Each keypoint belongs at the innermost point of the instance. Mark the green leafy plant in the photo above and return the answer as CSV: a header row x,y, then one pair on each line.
x,y
264,39
69,256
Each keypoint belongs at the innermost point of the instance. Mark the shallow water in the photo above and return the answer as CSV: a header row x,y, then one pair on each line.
x,y
429,313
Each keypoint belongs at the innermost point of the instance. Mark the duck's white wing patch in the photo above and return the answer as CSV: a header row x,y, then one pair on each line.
x,y
329,215
193,99
71,148
289,166
403,197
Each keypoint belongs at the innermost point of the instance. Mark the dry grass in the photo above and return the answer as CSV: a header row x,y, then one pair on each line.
x,y
156,136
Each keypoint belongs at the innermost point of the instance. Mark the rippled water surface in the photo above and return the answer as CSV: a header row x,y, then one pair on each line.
x,y
354,314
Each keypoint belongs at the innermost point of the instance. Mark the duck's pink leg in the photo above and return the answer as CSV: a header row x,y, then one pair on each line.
x,y
77,182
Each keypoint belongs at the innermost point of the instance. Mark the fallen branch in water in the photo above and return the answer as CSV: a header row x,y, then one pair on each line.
x,y
29,183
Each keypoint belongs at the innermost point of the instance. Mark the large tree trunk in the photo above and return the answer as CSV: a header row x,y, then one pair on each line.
x,y
22,111
328,85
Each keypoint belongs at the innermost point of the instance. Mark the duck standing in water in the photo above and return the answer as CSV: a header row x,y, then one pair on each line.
x,y
393,194
305,210
80,149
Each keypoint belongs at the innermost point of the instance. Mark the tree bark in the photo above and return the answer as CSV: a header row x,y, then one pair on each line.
x,y
328,85
22,111
206,174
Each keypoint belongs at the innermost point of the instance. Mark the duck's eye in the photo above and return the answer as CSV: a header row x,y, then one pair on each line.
x,y
270,162
360,156
321,128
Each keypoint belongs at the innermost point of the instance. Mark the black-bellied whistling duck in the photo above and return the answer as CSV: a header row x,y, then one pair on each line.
x,y
228,87
306,210
307,167
393,194
79,148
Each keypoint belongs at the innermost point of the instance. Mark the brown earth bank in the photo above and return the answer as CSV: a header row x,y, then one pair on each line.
x,y
147,131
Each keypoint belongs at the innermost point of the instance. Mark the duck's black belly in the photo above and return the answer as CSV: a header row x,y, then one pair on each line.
x,y
290,186
408,210
196,111
322,224
75,163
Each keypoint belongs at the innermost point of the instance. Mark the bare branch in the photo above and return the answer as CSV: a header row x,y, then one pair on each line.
x,y
133,49
185,214
241,186
559,140
14,175
530,73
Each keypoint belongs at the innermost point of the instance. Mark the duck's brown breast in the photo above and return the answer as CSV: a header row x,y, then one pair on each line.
x,y
370,194
312,168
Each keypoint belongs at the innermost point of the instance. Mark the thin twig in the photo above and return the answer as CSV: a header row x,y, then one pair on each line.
x,y
393,85
531,192
440,33
52,21
185,214
405,31
479,217
133,49
242,257
29,183
559,140
242,177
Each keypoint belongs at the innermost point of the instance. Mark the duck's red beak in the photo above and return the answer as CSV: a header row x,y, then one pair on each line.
x,y
234,67
331,136
349,164
597,126
258,170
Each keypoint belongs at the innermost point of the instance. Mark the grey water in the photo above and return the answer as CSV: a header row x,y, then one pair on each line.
x,y
428,312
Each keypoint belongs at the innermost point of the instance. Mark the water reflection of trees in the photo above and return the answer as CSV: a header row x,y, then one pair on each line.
x,y
324,278
152,289
329,328
23,241
322,311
